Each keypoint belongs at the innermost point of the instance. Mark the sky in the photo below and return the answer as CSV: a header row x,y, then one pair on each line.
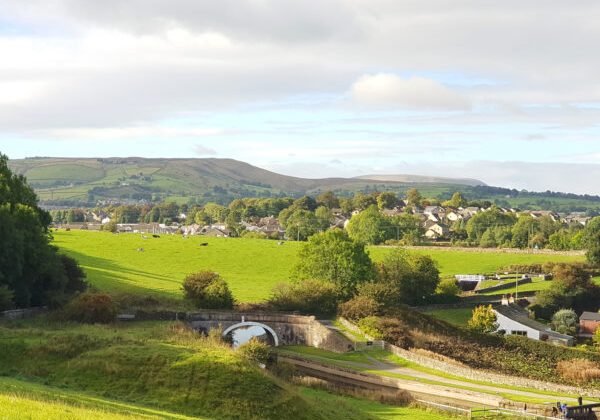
x,y
507,92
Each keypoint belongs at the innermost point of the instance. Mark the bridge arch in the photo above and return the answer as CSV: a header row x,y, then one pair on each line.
x,y
253,324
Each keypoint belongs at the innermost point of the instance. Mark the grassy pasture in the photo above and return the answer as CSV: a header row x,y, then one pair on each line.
x,y
251,266
152,370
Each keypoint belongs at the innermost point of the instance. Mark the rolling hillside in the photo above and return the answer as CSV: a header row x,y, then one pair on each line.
x,y
82,182
87,180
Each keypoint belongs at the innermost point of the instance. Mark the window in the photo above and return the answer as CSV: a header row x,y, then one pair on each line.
x,y
523,333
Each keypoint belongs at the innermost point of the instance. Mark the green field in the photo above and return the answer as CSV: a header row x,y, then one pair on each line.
x,y
451,262
458,316
251,266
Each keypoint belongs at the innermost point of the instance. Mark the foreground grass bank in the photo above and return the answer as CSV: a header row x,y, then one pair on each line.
x,y
115,263
149,370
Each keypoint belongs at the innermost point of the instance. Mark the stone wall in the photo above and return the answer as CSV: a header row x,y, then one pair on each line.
x,y
459,369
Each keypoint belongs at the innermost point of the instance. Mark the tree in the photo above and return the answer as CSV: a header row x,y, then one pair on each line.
x,y
565,321
334,257
591,240
208,290
387,200
483,320
480,222
31,271
457,200
369,226
361,201
301,224
324,217
413,197
328,199
233,222
415,276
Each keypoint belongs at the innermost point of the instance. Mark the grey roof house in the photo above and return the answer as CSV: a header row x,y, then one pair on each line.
x,y
515,321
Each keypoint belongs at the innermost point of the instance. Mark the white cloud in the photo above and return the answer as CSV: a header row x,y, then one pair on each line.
x,y
204,151
126,133
389,90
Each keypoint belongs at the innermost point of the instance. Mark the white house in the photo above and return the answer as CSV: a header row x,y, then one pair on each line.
x,y
514,320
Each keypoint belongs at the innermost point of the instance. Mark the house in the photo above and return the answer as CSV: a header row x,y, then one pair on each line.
x,y
542,213
193,229
514,320
434,230
269,226
434,210
588,323
396,211
215,230
433,217
454,216
470,211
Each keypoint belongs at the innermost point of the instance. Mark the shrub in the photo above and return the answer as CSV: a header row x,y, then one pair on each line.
x,y
528,268
483,320
448,287
255,351
383,293
307,296
110,226
395,331
578,370
565,321
359,307
91,308
253,235
208,290
369,326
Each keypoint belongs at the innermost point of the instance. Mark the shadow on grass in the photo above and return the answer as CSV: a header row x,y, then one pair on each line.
x,y
104,274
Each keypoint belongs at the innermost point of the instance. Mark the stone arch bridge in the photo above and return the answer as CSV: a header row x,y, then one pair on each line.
x,y
284,329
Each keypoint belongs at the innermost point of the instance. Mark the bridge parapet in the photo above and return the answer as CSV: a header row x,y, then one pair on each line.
x,y
290,329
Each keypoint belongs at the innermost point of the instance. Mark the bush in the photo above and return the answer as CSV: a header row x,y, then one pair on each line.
x,y
307,296
578,370
359,307
383,293
253,235
565,321
369,325
483,320
527,268
448,287
208,290
91,308
255,350
395,331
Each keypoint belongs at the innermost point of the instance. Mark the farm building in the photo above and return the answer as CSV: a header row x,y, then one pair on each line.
x,y
588,323
515,321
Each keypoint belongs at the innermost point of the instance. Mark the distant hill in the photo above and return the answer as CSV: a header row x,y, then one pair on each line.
x,y
87,180
423,179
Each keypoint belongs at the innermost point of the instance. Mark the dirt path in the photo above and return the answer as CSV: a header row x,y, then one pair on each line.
x,y
379,367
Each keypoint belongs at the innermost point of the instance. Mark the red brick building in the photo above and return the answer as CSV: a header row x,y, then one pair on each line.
x,y
588,323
